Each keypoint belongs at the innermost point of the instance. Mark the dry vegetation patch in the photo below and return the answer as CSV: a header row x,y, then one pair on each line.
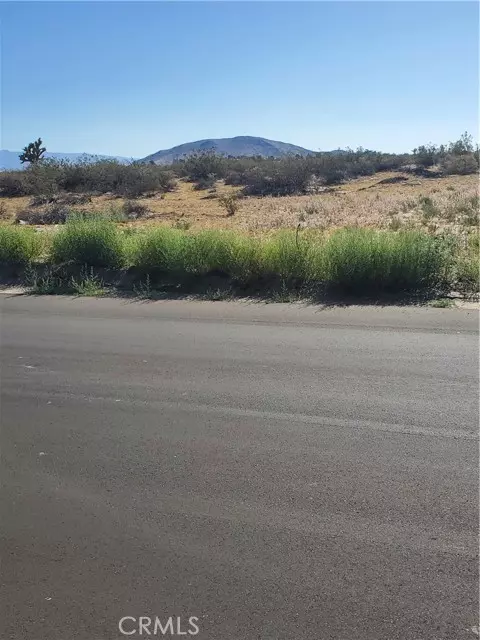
x,y
380,201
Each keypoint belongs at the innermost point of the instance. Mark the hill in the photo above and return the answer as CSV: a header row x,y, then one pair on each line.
x,y
238,146
10,160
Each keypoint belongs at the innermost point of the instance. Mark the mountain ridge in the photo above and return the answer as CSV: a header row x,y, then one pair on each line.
x,y
237,146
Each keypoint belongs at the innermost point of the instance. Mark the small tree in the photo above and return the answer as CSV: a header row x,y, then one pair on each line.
x,y
33,152
462,146
425,155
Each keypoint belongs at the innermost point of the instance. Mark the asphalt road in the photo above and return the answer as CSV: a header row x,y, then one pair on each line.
x,y
277,472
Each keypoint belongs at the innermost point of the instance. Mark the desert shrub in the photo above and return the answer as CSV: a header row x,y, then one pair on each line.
x,y
458,157
208,182
230,202
13,184
166,180
54,214
130,181
183,224
200,165
395,224
462,146
258,175
256,182
43,178
426,155
101,176
391,161
138,179
234,178
134,209
74,199
92,240
133,184
463,209
315,184
82,176
19,245
297,175
278,178
463,164
312,208
41,200
49,177
428,207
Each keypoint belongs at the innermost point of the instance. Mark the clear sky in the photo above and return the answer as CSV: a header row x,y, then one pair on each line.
x,y
129,78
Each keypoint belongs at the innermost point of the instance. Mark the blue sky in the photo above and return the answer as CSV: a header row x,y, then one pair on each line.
x,y
129,78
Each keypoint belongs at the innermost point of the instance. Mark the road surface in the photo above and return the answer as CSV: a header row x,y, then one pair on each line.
x,y
277,472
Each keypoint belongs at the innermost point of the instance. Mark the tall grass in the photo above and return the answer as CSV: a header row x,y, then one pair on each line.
x,y
91,241
466,268
160,248
222,251
244,256
360,260
19,245
200,253
353,260
284,255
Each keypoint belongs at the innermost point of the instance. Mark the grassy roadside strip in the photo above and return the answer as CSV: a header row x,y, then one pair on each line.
x,y
353,261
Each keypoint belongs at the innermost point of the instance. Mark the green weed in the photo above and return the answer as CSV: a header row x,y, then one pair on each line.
x,y
91,241
144,289
442,303
20,245
88,284
44,282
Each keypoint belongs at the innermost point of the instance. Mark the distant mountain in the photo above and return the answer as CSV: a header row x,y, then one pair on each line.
x,y
238,146
10,159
